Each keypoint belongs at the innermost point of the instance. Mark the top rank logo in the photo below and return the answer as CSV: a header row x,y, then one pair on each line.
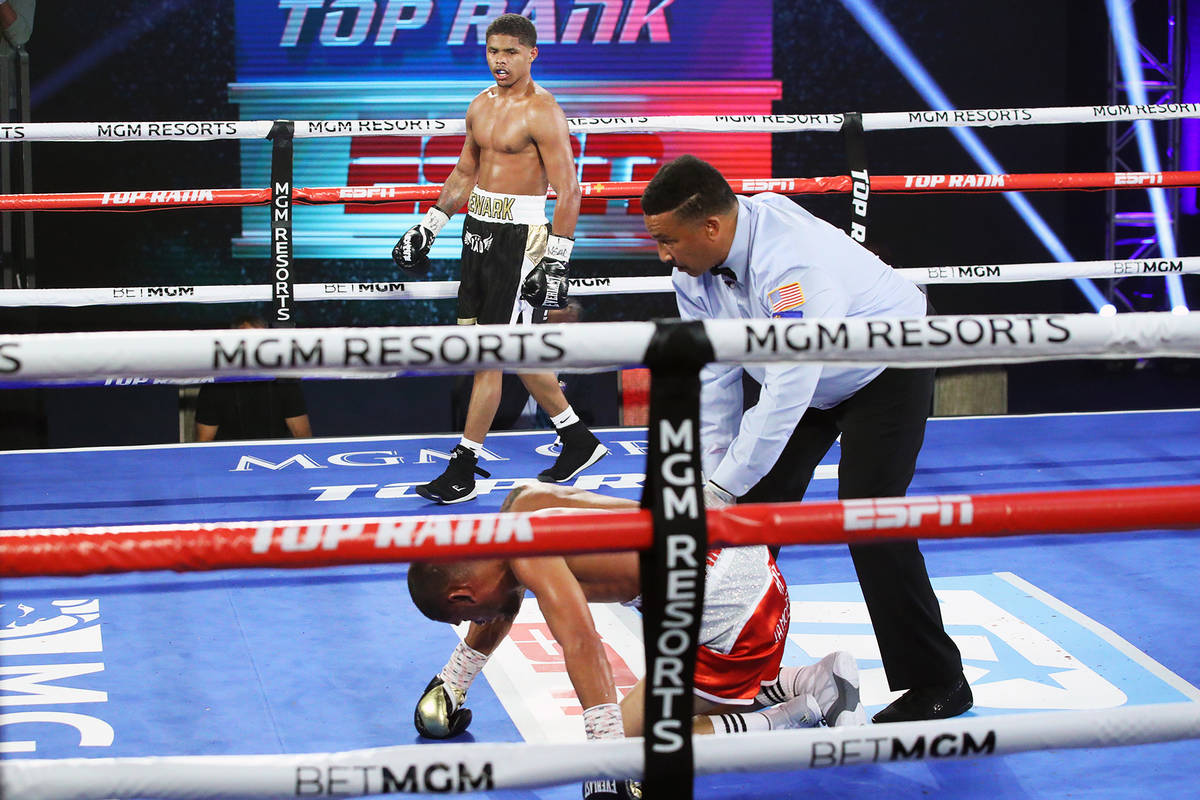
x,y
378,24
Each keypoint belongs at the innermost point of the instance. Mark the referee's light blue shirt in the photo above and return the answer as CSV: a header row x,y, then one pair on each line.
x,y
787,263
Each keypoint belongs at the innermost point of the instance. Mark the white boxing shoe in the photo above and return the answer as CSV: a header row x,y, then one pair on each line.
x,y
832,682
835,685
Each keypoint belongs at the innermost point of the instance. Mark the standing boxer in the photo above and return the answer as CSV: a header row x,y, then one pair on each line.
x,y
513,266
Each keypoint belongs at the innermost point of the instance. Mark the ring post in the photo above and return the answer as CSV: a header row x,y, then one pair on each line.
x,y
283,290
860,177
672,571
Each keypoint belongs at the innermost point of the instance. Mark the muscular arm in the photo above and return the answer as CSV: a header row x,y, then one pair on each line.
x,y
550,495
461,180
565,609
549,128
487,637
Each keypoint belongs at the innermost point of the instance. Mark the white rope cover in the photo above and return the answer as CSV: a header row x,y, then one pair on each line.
x,y
313,352
480,767
387,352
580,287
304,292
198,130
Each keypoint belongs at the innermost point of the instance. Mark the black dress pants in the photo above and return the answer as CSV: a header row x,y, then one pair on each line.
x,y
882,428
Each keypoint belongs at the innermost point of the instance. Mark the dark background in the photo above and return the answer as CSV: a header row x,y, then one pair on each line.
x,y
174,61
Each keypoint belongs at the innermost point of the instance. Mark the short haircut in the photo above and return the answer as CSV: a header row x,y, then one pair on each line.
x,y
427,585
514,25
692,188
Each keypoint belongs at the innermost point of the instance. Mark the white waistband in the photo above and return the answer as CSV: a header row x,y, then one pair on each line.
x,y
522,209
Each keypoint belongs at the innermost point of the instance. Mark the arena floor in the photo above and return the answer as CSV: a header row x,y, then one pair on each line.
x,y
279,661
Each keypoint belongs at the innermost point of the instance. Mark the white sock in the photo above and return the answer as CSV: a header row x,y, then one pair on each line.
x,y
799,712
794,681
568,417
819,680
744,722
474,447
781,689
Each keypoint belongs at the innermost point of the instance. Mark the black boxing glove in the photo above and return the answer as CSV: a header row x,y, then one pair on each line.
x,y
411,253
546,285
609,789
440,712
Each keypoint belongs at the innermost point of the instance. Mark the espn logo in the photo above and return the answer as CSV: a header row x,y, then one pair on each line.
x,y
907,512
1137,178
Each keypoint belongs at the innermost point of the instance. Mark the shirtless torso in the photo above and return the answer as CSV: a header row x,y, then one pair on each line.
x,y
517,144
517,139
501,126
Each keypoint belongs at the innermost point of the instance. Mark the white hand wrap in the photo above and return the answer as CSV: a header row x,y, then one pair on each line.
x,y
435,219
464,664
603,722
559,248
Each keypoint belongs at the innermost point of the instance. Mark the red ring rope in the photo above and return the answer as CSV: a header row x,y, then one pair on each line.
x,y
374,195
312,543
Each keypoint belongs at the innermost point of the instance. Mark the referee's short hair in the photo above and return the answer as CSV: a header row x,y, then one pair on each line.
x,y
690,187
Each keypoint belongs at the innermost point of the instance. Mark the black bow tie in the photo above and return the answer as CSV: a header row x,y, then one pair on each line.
x,y
726,273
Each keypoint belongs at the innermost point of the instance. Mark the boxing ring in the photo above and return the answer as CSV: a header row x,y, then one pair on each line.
x,y
331,659
1068,641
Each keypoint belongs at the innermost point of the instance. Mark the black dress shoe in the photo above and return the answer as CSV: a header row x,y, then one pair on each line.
x,y
929,702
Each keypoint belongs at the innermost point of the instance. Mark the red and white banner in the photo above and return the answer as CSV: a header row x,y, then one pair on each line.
x,y
327,542
151,199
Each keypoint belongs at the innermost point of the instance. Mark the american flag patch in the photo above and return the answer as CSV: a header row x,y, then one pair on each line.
x,y
785,298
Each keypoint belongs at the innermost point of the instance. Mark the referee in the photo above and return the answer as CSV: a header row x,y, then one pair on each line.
x,y
764,256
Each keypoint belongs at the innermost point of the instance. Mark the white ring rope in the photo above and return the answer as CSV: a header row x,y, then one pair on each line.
x,y
364,290
580,287
387,352
198,130
479,767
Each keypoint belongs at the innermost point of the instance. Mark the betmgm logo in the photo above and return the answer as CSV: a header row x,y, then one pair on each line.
x,y
62,632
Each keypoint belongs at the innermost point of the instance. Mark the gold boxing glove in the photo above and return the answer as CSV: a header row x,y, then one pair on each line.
x,y
440,713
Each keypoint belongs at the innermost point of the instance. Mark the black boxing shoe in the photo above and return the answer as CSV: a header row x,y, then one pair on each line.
x,y
929,702
580,449
457,483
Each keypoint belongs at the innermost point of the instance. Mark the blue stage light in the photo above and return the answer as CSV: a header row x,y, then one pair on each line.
x,y
874,23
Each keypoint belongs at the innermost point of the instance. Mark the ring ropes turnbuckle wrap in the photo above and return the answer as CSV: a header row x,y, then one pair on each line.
x,y
157,199
427,290
485,766
196,356
664,763
363,540
197,130
437,290
667,756
466,767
